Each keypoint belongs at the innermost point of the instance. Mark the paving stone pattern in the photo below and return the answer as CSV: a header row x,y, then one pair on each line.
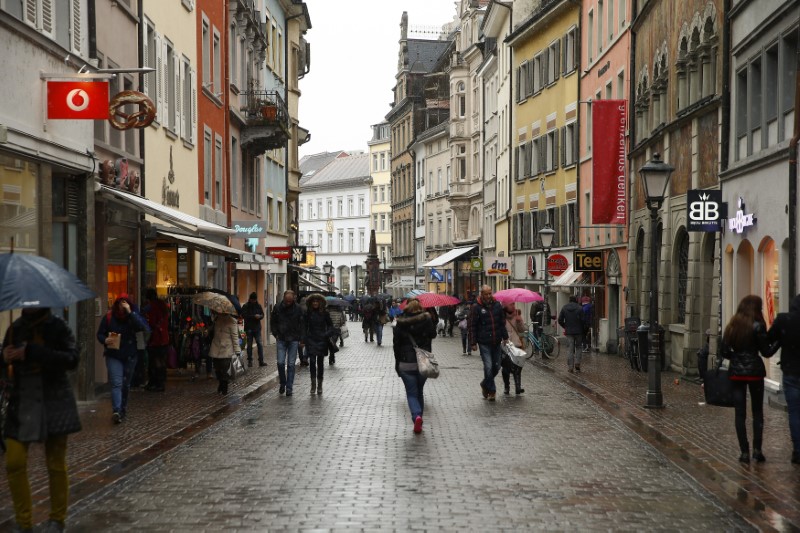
x,y
348,460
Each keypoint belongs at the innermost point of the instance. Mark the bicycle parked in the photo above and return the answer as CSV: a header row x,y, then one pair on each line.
x,y
538,342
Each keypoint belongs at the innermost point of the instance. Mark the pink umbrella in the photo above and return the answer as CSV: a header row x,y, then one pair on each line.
x,y
430,299
517,295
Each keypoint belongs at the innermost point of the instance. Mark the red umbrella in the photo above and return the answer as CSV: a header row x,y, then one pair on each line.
x,y
430,299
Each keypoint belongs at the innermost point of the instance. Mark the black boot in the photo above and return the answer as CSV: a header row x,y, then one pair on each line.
x,y
518,382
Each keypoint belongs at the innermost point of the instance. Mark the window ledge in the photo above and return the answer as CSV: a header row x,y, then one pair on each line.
x,y
170,133
188,144
213,97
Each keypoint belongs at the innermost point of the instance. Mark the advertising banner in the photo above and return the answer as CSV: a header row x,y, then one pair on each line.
x,y
496,266
587,261
609,196
77,100
704,210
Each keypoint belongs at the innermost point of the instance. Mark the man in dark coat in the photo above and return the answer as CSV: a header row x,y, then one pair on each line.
x,y
571,319
317,331
286,323
253,313
38,351
157,314
487,326
786,330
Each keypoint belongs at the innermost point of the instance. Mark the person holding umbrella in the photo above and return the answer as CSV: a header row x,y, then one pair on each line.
x,y
38,351
117,332
224,345
317,329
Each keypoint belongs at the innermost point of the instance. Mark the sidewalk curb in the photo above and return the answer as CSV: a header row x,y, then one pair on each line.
x,y
751,501
117,472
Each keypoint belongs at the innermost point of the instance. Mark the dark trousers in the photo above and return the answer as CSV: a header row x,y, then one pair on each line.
x,y
157,367
139,371
254,334
509,369
316,367
221,368
757,407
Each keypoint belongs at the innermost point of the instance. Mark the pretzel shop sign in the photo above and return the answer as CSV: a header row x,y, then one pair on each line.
x,y
557,264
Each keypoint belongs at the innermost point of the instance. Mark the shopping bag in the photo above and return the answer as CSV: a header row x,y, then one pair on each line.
x,y
517,355
237,367
344,331
427,364
718,387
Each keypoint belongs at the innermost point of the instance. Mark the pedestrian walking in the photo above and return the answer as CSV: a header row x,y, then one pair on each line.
x,y
447,313
394,310
317,330
224,345
571,319
588,319
786,331
253,313
369,317
488,333
117,332
381,319
286,323
462,316
744,337
339,320
157,314
38,351
514,326
414,326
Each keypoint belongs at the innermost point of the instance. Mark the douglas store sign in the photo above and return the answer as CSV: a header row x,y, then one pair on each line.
x,y
250,228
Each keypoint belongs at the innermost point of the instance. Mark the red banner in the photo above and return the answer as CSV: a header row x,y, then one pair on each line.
x,y
609,193
77,99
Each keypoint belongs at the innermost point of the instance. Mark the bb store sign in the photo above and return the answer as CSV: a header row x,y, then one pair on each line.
x,y
708,213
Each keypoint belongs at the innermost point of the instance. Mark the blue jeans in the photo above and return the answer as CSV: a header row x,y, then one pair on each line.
x,y
791,390
378,328
287,357
414,382
119,377
490,354
254,334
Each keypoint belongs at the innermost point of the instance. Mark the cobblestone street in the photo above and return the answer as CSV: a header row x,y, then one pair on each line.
x,y
347,460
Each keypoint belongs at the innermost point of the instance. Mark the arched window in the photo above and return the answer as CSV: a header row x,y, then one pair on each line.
x,y
682,263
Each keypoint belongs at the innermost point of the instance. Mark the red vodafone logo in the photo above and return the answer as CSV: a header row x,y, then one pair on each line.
x,y
557,264
77,100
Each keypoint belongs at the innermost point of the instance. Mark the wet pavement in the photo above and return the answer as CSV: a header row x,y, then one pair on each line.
x,y
348,460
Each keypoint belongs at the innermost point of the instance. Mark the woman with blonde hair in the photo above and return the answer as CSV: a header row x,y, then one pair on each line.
x,y
744,338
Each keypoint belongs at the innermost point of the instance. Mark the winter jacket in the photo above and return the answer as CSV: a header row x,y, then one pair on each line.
x,y
249,312
42,403
337,317
157,315
418,326
226,338
571,318
317,326
786,331
746,363
127,327
515,327
286,322
487,323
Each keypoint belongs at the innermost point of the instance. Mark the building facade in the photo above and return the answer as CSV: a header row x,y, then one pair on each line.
x,y
380,157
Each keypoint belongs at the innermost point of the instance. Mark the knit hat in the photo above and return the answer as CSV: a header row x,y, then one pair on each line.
x,y
253,296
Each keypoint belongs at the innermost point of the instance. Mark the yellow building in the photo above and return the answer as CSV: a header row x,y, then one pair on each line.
x,y
380,158
544,139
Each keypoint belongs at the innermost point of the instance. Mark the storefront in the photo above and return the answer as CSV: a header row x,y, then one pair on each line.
x,y
447,274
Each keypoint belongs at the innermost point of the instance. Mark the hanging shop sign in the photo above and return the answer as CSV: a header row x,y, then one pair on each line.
x,y
496,266
704,210
531,266
557,264
120,119
436,275
249,228
742,220
77,100
476,264
297,255
279,252
587,261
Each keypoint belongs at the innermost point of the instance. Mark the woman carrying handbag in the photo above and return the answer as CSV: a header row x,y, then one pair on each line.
x,y
224,346
414,326
744,338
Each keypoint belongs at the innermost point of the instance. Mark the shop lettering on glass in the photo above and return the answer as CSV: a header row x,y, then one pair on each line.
x,y
249,228
705,210
741,220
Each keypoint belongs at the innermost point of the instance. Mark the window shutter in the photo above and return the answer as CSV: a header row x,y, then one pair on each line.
x,y
575,143
563,146
565,224
48,25
576,49
519,96
193,85
526,231
531,69
30,12
529,158
176,65
546,67
516,162
159,79
164,83
564,48
76,28
542,159
555,150
556,58
181,105
146,60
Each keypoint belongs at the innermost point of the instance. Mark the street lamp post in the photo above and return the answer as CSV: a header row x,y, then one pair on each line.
x,y
383,272
546,235
328,269
655,177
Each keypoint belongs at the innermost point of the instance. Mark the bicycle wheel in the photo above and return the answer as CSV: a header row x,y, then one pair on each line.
x,y
551,345
528,346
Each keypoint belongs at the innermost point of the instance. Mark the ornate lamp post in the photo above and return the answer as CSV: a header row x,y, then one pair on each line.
x,y
655,178
546,235
328,269
383,272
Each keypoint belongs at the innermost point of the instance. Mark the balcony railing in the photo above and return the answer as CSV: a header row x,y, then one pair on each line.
x,y
267,121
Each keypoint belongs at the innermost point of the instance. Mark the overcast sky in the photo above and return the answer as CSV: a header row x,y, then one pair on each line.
x,y
354,46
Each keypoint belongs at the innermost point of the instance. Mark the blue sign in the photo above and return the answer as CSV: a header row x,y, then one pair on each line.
x,y
449,276
435,276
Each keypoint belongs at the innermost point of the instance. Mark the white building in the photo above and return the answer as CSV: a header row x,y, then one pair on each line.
x,y
334,218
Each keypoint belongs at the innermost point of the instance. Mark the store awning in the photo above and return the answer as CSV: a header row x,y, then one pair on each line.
x,y
447,257
167,214
259,262
570,278
209,247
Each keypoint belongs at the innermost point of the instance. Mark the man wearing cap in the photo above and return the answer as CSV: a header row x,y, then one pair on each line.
x,y
253,313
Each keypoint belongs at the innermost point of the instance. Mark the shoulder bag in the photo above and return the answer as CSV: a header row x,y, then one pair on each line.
x,y
236,367
426,361
718,387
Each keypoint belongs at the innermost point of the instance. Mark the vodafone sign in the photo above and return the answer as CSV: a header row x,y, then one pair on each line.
x,y
77,100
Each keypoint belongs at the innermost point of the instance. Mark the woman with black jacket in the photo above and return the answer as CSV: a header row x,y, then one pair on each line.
x,y
744,337
317,330
414,326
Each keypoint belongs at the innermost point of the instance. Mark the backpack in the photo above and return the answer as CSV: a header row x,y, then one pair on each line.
x,y
369,311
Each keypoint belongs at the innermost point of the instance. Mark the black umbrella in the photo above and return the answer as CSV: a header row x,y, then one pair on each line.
x,y
30,281
349,297
336,302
